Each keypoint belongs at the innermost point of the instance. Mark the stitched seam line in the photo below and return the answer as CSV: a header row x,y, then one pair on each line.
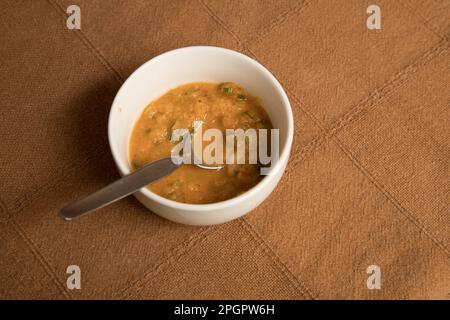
x,y
89,44
364,106
25,201
294,280
273,256
219,21
22,202
405,212
21,205
299,7
173,256
272,25
278,21
120,79
175,253
8,220
354,113
141,282
40,258
425,22
30,244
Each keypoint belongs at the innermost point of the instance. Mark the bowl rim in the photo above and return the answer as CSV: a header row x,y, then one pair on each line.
x,y
247,195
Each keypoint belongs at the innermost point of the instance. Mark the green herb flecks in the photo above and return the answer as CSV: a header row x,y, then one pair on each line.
x,y
227,90
135,164
170,130
250,116
171,133
241,97
172,138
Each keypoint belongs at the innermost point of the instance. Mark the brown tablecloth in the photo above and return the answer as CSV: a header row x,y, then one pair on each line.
x,y
367,183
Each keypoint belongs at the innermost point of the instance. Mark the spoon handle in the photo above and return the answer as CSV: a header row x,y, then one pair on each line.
x,y
120,188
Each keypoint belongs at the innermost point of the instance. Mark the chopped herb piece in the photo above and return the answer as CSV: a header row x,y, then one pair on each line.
x,y
240,96
171,133
136,164
172,138
227,90
170,130
252,117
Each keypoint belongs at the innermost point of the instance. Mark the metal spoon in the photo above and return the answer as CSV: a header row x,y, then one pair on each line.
x,y
125,186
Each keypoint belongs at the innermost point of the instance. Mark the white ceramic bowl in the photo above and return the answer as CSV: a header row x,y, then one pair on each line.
x,y
192,64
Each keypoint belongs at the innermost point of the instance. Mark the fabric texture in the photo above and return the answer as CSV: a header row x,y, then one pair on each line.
x,y
367,182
